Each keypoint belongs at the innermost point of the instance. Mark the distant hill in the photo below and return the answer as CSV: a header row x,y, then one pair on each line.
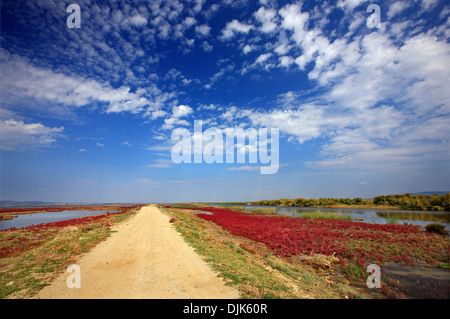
x,y
431,193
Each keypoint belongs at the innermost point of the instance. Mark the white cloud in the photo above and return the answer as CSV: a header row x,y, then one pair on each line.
x,y
198,5
295,20
161,163
21,81
248,48
189,22
18,136
234,27
429,4
181,111
157,114
229,114
210,107
286,61
206,46
218,75
203,29
171,122
349,4
266,17
282,48
263,58
177,113
138,20
301,124
397,7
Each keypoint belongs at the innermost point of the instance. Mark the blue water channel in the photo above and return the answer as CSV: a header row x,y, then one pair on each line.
x,y
24,220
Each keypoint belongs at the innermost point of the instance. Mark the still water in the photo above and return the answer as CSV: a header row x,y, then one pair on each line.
x,y
25,220
373,216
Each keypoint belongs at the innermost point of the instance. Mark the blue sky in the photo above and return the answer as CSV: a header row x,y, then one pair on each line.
x,y
87,113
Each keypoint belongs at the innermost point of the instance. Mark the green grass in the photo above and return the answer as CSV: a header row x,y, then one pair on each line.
x,y
182,206
326,215
265,210
392,221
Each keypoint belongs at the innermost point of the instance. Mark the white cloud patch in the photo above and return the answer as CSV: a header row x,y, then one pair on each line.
x,y
138,20
207,47
181,111
19,136
161,163
21,80
263,58
203,30
248,48
286,61
397,7
233,28
429,4
349,4
189,22
177,113
267,19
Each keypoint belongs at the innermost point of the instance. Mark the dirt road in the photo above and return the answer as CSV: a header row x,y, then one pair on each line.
x,y
145,258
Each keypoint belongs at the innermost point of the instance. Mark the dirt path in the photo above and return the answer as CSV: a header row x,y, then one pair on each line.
x,y
145,258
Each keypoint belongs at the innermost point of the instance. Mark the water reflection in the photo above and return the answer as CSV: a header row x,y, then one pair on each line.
x,y
25,220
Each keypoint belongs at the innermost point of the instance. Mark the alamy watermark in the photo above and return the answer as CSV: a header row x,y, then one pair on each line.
x,y
374,20
216,145
74,280
374,280
74,19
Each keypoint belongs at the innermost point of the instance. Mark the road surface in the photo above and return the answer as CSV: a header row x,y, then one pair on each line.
x,y
145,258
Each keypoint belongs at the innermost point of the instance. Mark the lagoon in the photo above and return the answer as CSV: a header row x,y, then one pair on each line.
x,y
24,220
374,216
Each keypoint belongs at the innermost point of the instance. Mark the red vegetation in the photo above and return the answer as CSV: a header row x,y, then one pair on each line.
x,y
360,243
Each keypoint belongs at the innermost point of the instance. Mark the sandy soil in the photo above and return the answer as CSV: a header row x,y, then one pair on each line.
x,y
145,258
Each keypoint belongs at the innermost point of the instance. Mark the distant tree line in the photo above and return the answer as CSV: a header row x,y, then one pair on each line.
x,y
406,201
321,202
435,202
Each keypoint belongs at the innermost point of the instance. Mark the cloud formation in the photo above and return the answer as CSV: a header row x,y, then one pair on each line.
x,y
20,136
374,91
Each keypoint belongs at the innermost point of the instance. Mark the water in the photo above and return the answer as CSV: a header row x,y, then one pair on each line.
x,y
25,220
205,212
373,216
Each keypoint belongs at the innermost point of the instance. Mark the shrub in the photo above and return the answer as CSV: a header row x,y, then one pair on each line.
x,y
436,228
